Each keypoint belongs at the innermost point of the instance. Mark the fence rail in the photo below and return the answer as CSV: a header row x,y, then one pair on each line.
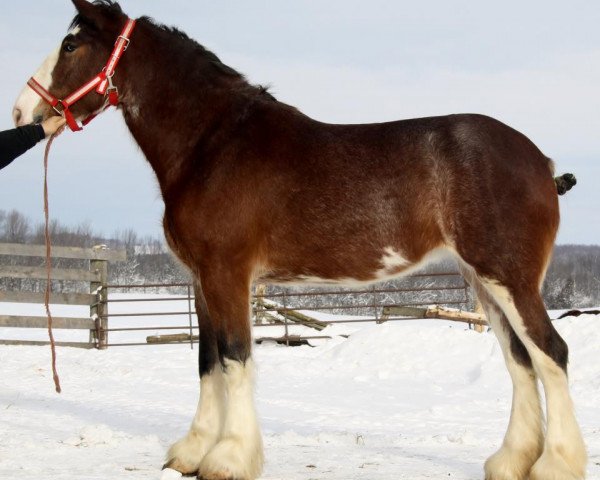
x,y
68,323
80,253
71,274
281,308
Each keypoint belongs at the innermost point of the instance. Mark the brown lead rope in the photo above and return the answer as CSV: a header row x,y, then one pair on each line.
x,y
49,266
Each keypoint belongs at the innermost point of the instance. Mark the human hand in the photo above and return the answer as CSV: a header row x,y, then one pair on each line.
x,y
53,125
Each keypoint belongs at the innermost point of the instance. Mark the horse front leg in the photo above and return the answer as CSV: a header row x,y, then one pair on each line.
x,y
186,455
238,455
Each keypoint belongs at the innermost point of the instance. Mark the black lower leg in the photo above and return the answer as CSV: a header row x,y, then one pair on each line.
x,y
518,350
233,348
208,355
541,331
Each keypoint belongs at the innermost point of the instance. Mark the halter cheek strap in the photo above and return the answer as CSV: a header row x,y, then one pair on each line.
x,y
102,83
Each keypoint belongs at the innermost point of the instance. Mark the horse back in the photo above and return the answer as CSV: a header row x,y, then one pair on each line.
x,y
301,200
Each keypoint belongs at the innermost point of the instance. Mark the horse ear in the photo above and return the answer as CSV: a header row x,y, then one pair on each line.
x,y
85,9
95,14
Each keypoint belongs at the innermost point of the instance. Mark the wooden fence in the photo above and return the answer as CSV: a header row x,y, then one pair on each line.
x,y
284,307
95,278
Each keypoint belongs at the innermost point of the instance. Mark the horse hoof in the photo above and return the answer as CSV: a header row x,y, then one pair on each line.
x,y
553,466
175,464
186,455
511,464
216,476
232,459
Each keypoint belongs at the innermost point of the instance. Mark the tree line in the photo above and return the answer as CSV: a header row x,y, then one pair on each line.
x,y
572,280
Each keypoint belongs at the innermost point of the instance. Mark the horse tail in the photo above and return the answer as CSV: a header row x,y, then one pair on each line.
x,y
564,183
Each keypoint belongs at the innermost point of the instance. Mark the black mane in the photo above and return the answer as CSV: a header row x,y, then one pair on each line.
x,y
115,9
192,44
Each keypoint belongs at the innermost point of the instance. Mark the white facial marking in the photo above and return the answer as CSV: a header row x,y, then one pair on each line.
x,y
26,104
28,101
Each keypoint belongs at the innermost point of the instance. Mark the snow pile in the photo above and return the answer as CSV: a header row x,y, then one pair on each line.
x,y
406,400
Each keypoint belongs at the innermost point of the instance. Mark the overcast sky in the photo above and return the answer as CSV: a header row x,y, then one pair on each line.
x,y
534,65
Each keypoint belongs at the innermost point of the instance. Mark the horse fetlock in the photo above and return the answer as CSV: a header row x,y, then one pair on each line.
x,y
558,464
510,463
186,455
233,459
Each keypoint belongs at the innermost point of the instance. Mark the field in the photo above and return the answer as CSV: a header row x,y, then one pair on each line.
x,y
412,400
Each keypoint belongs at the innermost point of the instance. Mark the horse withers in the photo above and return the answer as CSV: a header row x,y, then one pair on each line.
x,y
254,189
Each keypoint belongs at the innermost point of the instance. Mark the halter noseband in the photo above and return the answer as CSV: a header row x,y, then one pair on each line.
x,y
102,83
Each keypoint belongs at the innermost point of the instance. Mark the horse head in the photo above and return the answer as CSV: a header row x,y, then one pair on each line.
x,y
82,53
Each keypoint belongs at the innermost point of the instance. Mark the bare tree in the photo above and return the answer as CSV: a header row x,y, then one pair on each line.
x,y
15,227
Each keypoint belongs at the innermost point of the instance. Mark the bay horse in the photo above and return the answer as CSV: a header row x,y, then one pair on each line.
x,y
254,189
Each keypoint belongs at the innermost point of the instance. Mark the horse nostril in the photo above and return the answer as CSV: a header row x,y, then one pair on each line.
x,y
17,116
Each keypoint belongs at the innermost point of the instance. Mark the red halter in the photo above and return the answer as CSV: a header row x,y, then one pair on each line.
x,y
101,82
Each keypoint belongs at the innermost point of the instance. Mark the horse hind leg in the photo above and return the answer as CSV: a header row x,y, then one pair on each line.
x,y
524,438
564,456
187,454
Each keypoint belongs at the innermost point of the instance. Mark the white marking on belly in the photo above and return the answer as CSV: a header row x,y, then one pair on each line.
x,y
392,262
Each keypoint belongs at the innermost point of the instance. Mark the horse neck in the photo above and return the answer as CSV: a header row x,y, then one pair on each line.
x,y
173,109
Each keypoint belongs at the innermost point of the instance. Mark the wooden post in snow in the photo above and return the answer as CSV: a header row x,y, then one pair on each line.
x,y
479,310
259,293
99,310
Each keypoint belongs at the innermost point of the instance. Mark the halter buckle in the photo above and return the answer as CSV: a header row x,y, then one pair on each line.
x,y
125,39
112,92
60,112
111,86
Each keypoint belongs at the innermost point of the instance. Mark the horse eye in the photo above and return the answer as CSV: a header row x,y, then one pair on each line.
x,y
69,47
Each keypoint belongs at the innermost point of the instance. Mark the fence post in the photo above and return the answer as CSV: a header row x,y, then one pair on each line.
x,y
100,309
374,297
479,309
260,291
285,318
94,286
189,299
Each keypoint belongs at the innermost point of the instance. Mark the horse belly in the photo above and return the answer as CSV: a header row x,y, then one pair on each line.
x,y
371,266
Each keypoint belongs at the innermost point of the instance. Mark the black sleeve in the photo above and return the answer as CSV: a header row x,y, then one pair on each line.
x,y
17,141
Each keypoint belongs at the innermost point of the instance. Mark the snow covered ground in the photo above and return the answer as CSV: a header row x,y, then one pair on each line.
x,y
405,400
